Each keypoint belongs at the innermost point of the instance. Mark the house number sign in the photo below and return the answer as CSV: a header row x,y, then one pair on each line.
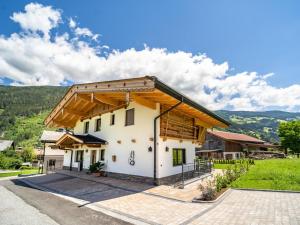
x,y
131,159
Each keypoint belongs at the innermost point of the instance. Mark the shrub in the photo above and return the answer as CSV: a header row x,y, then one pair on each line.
x,y
96,167
9,162
208,191
221,182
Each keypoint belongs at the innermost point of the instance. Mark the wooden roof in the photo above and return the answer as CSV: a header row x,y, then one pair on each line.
x,y
83,101
235,137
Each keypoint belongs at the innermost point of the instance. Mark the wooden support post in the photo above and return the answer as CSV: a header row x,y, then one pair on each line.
x,y
92,97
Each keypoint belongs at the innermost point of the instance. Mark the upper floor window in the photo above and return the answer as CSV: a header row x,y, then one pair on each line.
x,y
98,124
86,127
112,119
129,120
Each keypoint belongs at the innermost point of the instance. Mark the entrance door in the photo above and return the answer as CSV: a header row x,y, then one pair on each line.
x,y
93,156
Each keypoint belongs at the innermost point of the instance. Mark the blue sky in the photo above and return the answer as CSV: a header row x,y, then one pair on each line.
x,y
260,36
251,36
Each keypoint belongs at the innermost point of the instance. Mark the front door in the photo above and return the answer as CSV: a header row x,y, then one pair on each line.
x,y
93,156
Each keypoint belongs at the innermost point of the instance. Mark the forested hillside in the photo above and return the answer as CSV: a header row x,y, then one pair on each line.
x,y
263,125
23,109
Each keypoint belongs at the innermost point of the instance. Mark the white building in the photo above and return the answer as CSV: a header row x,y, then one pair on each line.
x,y
140,128
53,157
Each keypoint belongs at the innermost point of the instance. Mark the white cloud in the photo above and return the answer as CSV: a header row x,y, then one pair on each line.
x,y
72,23
82,31
31,59
38,18
85,32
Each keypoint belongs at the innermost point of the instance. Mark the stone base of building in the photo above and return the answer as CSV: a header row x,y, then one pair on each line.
x,y
141,179
169,179
148,180
135,178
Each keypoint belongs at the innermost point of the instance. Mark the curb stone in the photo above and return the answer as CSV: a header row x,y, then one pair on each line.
x,y
266,190
213,201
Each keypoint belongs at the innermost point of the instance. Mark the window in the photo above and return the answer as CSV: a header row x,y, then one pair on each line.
x,y
102,153
79,156
178,156
112,119
86,127
98,124
129,120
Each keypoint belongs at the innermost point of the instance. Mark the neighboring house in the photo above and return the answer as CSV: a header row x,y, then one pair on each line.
x,y
6,144
140,128
228,145
52,157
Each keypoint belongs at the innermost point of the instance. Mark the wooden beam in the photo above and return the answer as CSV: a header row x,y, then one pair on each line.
x,y
106,100
201,136
74,112
145,102
201,123
62,123
89,99
99,111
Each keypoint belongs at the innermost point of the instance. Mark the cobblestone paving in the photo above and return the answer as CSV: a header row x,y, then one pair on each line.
x,y
237,206
254,207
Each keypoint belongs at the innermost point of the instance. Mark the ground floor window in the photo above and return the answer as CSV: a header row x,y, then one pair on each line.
x,y
79,156
179,156
102,153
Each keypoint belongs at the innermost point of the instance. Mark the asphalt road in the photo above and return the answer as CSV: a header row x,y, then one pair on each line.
x,y
29,206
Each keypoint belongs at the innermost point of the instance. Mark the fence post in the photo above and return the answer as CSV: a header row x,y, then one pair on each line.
x,y
182,176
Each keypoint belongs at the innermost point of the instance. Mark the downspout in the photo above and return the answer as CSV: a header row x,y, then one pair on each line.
x,y
155,138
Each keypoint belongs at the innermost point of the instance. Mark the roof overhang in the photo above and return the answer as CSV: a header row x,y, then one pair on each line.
x,y
70,141
84,101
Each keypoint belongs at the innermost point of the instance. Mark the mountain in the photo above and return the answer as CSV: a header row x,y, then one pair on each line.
x,y
262,125
23,109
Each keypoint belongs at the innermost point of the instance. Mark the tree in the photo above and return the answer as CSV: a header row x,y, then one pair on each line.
x,y
289,133
28,154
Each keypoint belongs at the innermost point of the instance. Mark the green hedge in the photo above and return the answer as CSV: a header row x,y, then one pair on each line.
x,y
9,162
233,161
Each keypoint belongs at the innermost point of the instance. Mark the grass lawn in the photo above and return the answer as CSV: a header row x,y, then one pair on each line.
x,y
23,172
274,174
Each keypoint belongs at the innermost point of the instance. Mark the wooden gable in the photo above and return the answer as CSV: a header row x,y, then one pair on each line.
x,y
85,101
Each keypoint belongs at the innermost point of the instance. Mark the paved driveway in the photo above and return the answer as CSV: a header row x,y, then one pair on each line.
x,y
24,205
140,207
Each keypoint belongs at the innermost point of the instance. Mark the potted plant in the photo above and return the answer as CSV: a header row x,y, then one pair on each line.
x,y
97,169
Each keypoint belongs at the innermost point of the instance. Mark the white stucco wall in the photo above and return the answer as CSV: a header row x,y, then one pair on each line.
x,y
67,158
141,132
165,159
